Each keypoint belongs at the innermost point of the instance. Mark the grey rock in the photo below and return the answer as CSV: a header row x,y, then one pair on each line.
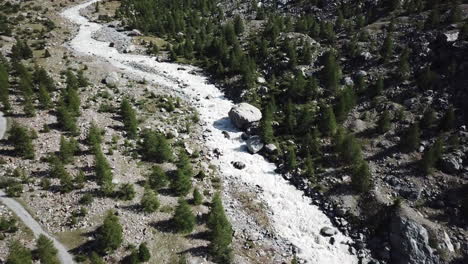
x,y
112,79
244,114
254,144
226,134
451,164
271,148
239,165
327,231
410,242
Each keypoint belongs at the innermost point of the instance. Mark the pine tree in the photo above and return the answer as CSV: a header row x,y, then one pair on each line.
x,y
45,251
4,87
149,201
455,15
221,232
44,97
328,121
266,125
238,25
351,150
361,178
66,119
157,179
428,118
155,147
387,47
94,137
82,80
109,236
94,258
68,149
144,254
183,219
103,170
181,183
384,123
291,162
18,254
21,139
197,197
126,192
433,19
309,172
128,115
410,141
447,122
331,73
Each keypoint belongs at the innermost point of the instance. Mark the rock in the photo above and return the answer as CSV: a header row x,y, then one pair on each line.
x,y
358,125
327,231
410,242
271,148
348,81
112,79
135,33
451,164
446,243
239,165
254,144
244,114
226,134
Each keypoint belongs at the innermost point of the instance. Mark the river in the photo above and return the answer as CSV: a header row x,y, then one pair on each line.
x,y
293,215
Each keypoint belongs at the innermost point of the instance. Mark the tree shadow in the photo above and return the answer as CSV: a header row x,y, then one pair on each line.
x,y
203,235
200,251
164,226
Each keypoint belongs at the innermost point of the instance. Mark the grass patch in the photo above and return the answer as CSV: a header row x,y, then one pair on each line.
x,y
71,239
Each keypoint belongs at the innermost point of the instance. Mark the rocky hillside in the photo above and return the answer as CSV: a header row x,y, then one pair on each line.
x,y
362,101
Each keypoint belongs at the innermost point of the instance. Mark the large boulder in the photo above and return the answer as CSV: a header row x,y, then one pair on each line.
x,y
254,144
410,243
451,164
244,114
112,79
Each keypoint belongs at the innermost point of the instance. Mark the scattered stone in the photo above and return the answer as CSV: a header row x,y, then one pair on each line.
x,y
239,165
254,144
271,148
327,231
244,114
112,79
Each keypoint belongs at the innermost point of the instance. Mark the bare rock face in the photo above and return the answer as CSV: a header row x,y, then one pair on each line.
x,y
410,243
244,114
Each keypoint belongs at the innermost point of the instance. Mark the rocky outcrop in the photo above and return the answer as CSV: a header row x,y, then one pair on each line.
x,y
410,243
451,164
254,144
244,114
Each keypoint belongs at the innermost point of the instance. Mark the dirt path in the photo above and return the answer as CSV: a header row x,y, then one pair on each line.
x,y
35,227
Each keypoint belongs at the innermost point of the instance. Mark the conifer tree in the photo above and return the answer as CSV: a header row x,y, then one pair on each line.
x,y
361,178
411,139
181,183
384,123
126,192
197,197
144,254
45,251
95,258
428,118
18,254
21,139
291,159
327,121
455,15
68,149
149,201
44,97
103,172
66,120
94,137
447,122
221,232
266,125
155,147
183,219
387,47
128,115
157,179
4,87
331,73
82,80
109,236
351,150
433,19
238,25
309,172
